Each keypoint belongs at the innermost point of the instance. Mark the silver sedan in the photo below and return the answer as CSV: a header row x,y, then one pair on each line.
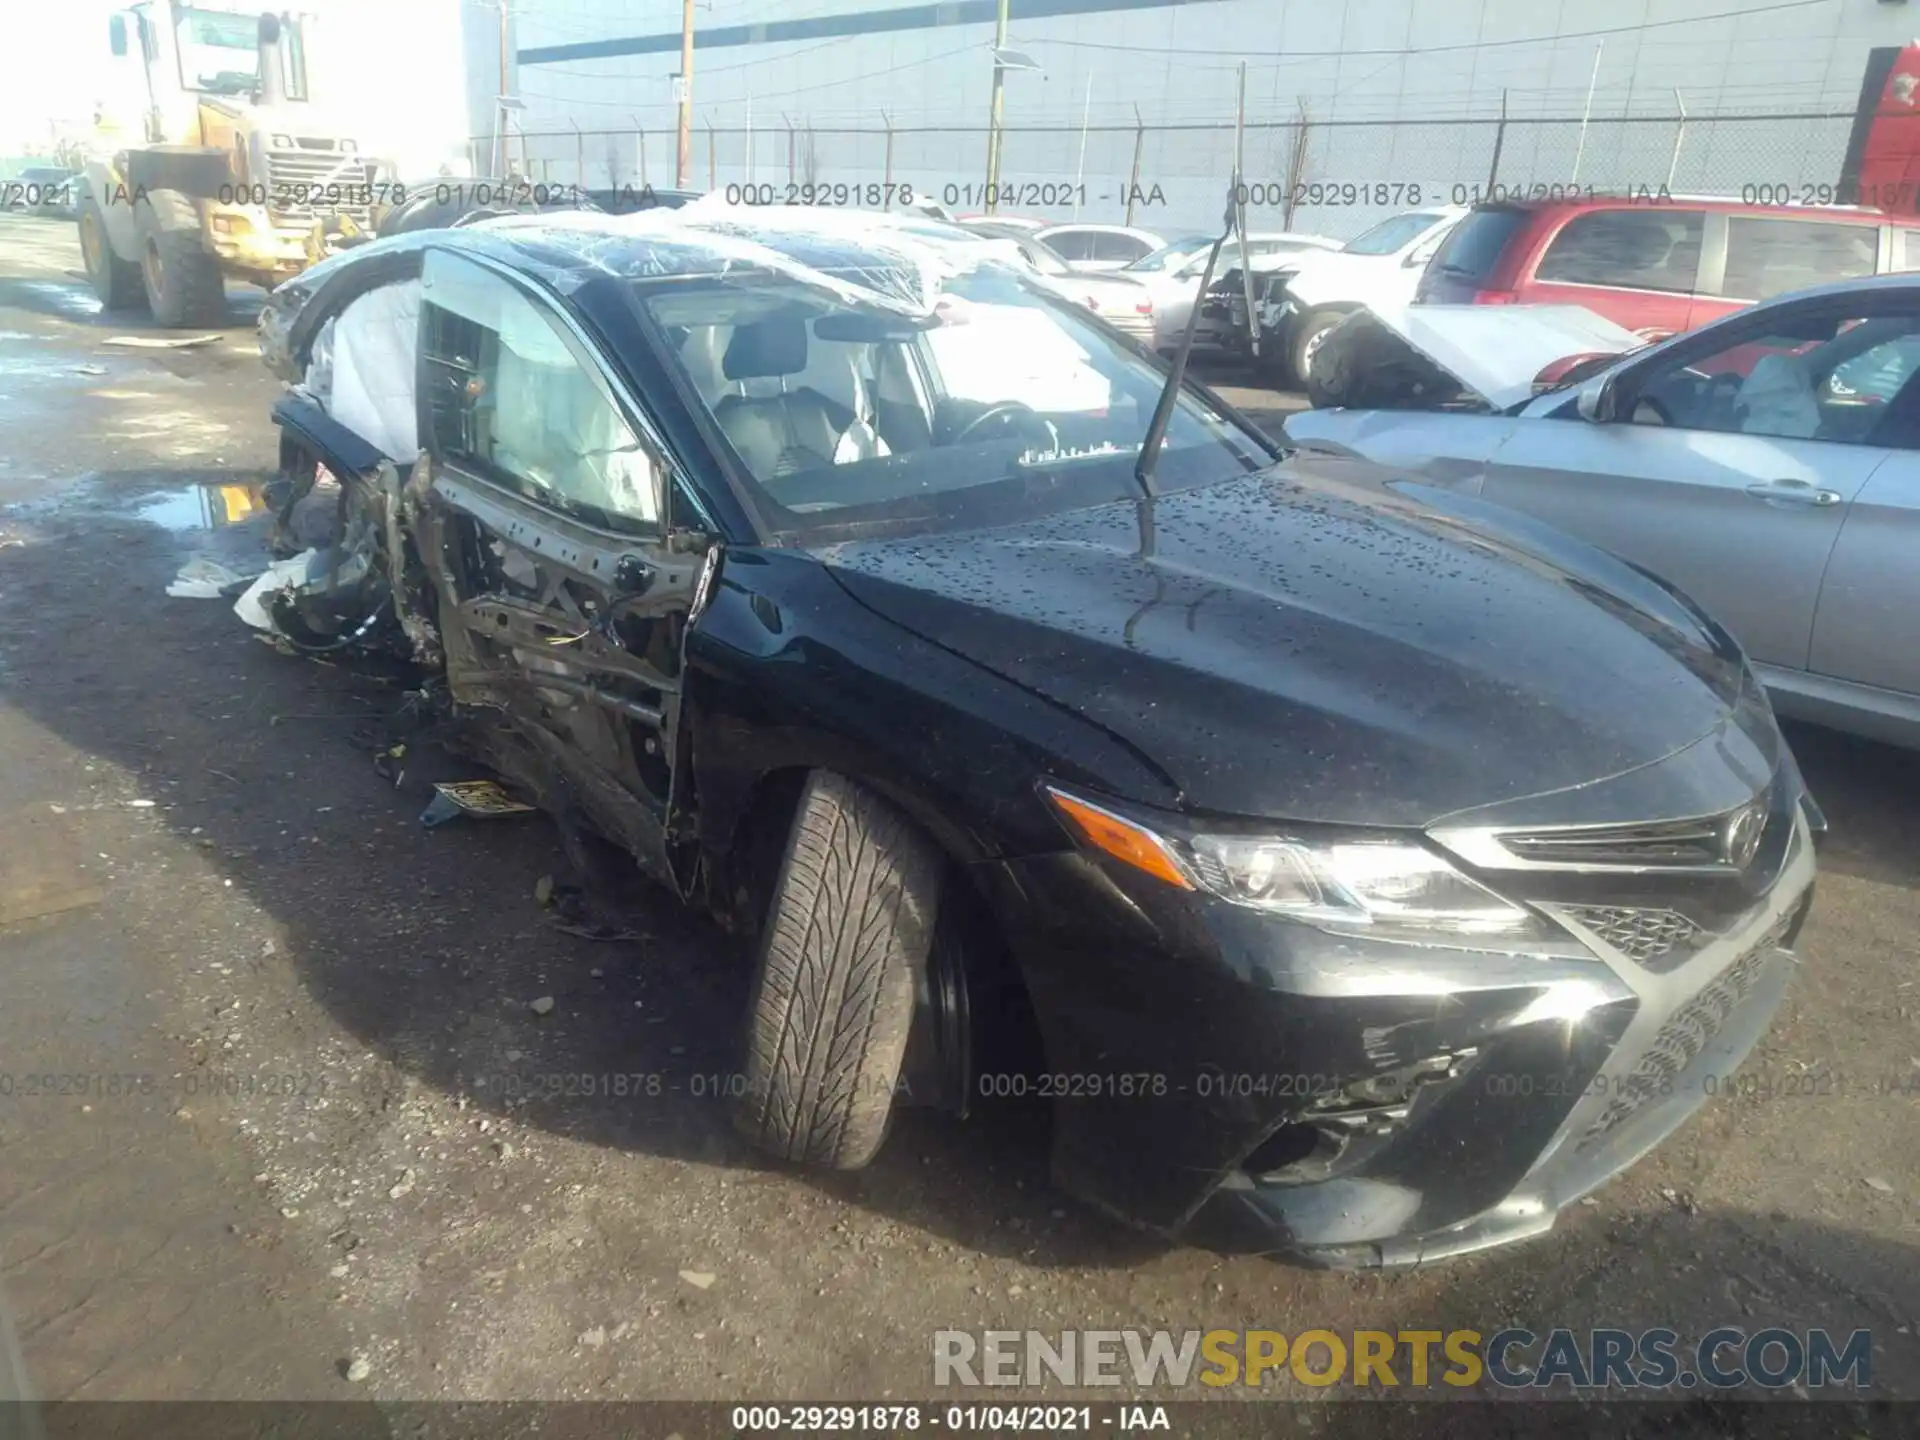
x,y
1767,464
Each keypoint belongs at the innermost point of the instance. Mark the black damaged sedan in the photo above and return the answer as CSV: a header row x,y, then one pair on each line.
x,y
1372,872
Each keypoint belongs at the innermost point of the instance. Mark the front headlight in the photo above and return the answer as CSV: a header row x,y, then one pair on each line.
x,y
1371,884
1390,888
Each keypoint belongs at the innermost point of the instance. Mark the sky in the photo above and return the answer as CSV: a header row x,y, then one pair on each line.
x,y
53,62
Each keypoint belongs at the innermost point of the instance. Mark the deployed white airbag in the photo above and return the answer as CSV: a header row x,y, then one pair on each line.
x,y
374,343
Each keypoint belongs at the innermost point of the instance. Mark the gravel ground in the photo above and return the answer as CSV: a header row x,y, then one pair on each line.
x,y
339,1167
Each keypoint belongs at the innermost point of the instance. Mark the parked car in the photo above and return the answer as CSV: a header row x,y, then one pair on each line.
x,y
1172,274
1379,906
1768,464
1658,267
1100,247
1016,222
1121,300
626,198
1304,298
40,190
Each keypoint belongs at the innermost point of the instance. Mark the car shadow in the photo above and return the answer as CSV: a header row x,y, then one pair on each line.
x,y
429,946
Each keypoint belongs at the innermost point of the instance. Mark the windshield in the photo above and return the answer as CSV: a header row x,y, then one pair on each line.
x,y
218,52
1171,256
1005,404
1390,235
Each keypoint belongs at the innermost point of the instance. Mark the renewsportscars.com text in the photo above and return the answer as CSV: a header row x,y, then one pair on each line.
x,y
1600,1358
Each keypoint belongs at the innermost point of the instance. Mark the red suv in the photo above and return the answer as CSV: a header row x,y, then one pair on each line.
x,y
1658,266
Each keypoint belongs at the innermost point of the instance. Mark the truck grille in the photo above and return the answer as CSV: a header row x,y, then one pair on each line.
x,y
305,183
1686,1035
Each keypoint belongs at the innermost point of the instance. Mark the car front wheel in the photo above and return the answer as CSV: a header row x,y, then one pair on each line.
x,y
846,935
1306,343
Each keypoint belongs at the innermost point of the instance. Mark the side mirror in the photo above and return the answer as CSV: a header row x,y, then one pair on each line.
x,y
1594,401
117,34
269,29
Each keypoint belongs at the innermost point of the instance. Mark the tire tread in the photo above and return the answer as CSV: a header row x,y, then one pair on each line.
x,y
847,931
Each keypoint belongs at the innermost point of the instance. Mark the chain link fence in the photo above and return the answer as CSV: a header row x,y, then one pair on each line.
x,y
1335,177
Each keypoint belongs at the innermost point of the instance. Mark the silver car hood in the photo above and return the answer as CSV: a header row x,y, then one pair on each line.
x,y
1497,351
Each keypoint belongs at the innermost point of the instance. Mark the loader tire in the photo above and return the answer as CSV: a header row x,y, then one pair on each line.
x,y
115,281
182,278
846,934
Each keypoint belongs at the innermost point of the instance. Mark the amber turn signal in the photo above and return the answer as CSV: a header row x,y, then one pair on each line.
x,y
1127,842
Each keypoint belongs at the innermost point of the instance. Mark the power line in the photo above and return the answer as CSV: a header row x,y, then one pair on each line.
x,y
700,71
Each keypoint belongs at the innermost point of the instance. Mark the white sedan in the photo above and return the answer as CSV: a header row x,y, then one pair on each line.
x,y
1767,464
1100,247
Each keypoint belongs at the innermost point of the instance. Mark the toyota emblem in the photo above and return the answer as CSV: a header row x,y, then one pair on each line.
x,y
1742,836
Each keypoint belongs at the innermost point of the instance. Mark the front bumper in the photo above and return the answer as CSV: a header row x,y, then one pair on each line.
x,y
1262,1086
252,238
1132,324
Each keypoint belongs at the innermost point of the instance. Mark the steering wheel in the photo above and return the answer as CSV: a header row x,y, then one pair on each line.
x,y
1004,411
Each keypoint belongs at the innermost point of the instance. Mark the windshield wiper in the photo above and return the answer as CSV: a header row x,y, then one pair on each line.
x,y
1170,392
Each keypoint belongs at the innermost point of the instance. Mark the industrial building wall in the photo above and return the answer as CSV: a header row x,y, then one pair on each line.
x,y
1396,93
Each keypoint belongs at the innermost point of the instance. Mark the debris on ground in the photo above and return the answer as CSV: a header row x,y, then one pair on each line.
x,y
475,799
542,1006
159,342
359,1368
204,579
699,1279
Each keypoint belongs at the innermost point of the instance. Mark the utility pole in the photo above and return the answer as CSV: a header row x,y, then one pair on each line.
x,y
993,119
500,111
684,159
505,89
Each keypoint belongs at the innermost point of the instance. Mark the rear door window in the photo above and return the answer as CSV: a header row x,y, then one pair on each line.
x,y
1766,258
1121,249
1477,242
1907,256
1072,245
1645,248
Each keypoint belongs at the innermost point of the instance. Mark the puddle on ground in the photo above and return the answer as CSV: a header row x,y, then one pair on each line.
x,y
72,301
204,506
198,507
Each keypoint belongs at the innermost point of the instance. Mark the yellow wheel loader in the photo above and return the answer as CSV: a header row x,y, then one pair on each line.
x,y
211,165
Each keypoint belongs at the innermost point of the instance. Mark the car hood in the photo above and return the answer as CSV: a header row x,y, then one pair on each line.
x,y
1496,352
1309,643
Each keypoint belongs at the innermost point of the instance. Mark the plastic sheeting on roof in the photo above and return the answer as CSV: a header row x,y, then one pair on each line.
x,y
871,258
878,259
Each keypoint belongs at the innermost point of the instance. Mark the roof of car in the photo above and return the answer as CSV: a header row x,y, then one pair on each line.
x,y
871,257
1718,204
1133,230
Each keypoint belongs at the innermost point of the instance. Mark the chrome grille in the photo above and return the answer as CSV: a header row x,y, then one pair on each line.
x,y
302,184
1646,937
1686,1035
1671,844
